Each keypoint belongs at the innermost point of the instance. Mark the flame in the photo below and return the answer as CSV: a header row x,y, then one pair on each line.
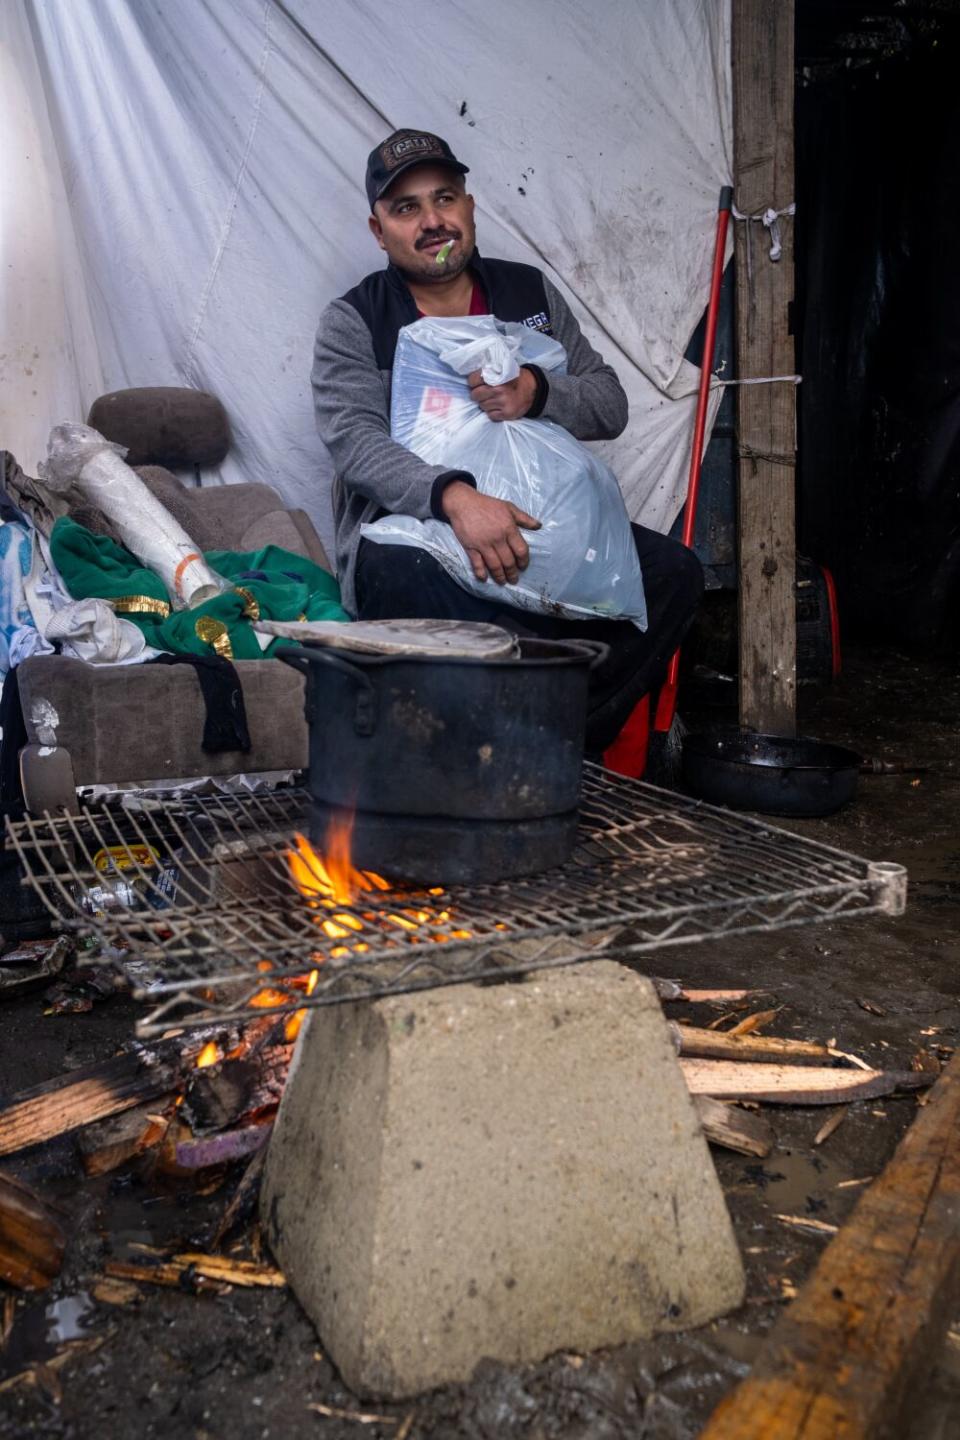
x,y
331,876
268,999
292,1028
330,881
209,1055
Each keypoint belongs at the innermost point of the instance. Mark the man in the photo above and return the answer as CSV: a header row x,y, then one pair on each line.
x,y
419,208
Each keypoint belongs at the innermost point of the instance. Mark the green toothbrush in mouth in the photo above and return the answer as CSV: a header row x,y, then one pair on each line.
x,y
444,251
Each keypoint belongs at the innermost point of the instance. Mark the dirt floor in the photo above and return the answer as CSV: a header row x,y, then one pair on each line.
x,y
248,1364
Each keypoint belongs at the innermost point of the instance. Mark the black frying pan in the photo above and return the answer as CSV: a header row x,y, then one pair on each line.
x,y
769,773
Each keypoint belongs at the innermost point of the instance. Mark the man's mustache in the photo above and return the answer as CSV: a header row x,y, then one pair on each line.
x,y
436,235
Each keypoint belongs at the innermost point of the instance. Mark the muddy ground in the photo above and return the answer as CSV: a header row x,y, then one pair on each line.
x,y
248,1364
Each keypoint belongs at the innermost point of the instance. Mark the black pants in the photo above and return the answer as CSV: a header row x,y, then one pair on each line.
x,y
399,582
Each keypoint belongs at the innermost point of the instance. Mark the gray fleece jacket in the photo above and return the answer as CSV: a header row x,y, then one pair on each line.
x,y
352,368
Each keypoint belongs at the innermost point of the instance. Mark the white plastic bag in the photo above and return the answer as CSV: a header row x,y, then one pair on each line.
x,y
583,561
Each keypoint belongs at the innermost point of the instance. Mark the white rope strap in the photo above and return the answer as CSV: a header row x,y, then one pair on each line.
x,y
770,220
764,380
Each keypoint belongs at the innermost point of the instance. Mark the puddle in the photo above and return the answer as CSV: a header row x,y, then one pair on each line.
x,y
128,1222
797,1184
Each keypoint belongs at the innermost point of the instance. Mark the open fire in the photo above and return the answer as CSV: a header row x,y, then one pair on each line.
x,y
329,883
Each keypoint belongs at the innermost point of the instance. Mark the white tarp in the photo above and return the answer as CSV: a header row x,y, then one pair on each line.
x,y
181,191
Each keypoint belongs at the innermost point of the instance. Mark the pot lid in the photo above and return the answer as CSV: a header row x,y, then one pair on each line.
x,y
436,639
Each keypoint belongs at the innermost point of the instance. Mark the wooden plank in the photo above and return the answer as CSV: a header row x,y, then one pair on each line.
x,y
143,1073
733,1128
858,1340
109,1143
766,414
92,1093
32,1242
720,1045
793,1084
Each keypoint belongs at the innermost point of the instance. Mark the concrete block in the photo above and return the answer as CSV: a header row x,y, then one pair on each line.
x,y
500,1171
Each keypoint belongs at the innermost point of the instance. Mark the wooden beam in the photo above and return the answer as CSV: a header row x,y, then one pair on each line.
x,y
843,1361
766,415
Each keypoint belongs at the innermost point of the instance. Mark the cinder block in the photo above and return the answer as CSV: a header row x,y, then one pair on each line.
x,y
500,1171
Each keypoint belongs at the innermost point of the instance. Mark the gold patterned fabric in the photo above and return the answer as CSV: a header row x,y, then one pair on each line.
x,y
214,632
251,609
138,605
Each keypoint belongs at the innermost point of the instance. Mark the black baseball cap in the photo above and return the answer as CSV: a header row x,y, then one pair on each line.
x,y
402,150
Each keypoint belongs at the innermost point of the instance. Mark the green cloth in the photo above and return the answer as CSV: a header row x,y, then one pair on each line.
x,y
294,588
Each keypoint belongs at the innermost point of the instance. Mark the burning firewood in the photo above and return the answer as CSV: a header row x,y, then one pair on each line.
x,y
221,1094
142,1073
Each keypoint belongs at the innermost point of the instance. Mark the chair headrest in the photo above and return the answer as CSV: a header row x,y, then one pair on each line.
x,y
164,425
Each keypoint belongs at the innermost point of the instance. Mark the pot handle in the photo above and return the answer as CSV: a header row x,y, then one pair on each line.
x,y
365,714
597,648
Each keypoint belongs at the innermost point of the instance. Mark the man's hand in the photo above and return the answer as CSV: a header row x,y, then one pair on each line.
x,y
504,402
489,531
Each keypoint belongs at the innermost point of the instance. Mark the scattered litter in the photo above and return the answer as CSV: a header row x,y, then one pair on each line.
x,y
808,1222
191,1270
6,1319
846,1055
869,1006
115,1292
754,1022
362,1417
28,965
829,1126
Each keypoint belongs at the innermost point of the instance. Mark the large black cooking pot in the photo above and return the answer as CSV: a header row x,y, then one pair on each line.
x,y
455,769
772,774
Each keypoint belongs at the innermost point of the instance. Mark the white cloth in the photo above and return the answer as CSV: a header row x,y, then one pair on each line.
x,y
213,155
90,630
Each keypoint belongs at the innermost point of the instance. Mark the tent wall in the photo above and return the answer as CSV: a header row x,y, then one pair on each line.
x,y
195,195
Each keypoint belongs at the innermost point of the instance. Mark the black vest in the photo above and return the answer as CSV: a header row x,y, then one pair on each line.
x,y
513,291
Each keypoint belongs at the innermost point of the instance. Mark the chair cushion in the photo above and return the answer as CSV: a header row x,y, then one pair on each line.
x,y
164,425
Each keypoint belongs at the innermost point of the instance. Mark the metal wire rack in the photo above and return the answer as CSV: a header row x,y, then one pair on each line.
x,y
195,899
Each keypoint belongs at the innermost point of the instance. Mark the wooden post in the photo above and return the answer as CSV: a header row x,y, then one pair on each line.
x,y
766,417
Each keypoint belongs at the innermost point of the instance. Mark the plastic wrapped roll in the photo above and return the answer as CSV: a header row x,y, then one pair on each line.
x,y
79,459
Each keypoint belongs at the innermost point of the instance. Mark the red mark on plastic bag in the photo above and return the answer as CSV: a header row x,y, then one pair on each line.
x,y
436,402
